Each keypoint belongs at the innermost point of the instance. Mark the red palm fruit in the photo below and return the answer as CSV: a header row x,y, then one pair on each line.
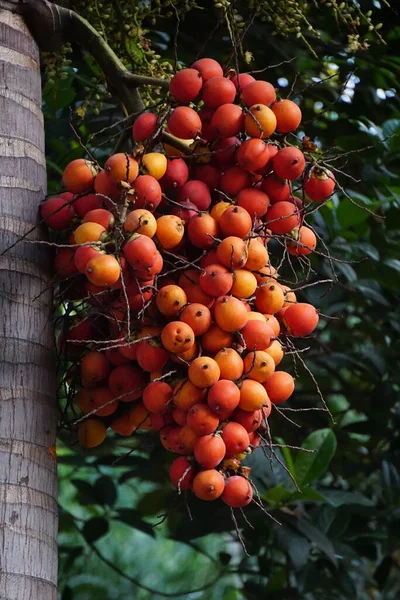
x,y
94,368
319,184
105,185
209,175
216,280
157,397
257,335
138,294
260,121
99,399
179,415
126,381
250,420
189,281
235,221
201,419
170,299
176,175
114,356
57,213
144,126
209,451
234,180
232,252
277,190
208,68
185,85
216,339
151,356
227,121
202,230
237,492
197,316
303,244
122,167
103,270
140,251
235,437
254,201
159,421
301,319
225,151
241,80
84,204
184,123
208,485
185,210
289,163
101,216
230,313
148,192
223,396
64,263
217,91
259,92
196,192
186,439
280,387
150,272
207,131
288,115
78,175
169,437
177,337
252,155
210,258
181,473
282,217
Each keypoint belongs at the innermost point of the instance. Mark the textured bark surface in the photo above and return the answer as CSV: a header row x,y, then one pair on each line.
x,y
28,483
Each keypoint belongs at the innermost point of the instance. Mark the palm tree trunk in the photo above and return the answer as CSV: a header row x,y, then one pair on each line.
x,y
28,481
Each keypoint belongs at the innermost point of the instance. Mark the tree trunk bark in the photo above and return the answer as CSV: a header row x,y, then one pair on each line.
x,y
28,480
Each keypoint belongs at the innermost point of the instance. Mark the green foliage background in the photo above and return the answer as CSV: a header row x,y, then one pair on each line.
x,y
340,537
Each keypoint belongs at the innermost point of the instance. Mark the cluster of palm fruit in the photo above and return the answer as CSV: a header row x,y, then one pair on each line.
x,y
178,316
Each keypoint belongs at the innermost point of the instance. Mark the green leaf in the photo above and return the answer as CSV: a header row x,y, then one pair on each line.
x,y
393,263
105,491
338,498
311,465
86,494
349,215
134,519
95,528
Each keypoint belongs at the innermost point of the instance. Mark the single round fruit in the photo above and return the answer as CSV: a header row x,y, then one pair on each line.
x,y
289,163
196,192
288,115
144,126
254,201
170,299
257,255
244,284
176,175
269,297
202,420
184,123
89,232
303,244
235,221
276,351
198,316
126,383
280,387
208,68
209,450
140,251
253,396
259,365
155,164
215,339
57,213
208,485
177,337
203,372
103,270
122,167
148,192
234,180
240,80
257,335
170,231
157,397
282,217
92,432
230,313
182,473
277,190
252,155
216,280
235,437
202,230
301,319
186,85
186,395
230,364
232,252
260,121
259,92
78,175
319,184
223,397
237,492
249,420
228,120
141,221
217,91
94,368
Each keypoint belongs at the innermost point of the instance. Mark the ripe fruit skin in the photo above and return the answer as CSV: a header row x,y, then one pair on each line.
x,y
276,189
254,201
197,316
225,152
99,399
141,221
235,221
282,217
234,180
88,232
230,313
140,251
241,80
258,92
280,387
223,397
319,185
186,395
288,115
217,91
260,122
121,167
155,164
101,216
208,67
57,213
184,123
257,257
202,229
64,263
94,368
209,451
237,492
276,351
177,337
208,485
151,356
232,252
257,335
91,433
209,175
249,420
289,163
186,85
148,192
216,280
215,339
78,176
196,192
157,397
304,244
228,120
253,396
230,364
244,284
301,319
103,270
201,419
89,202
259,365
176,175
203,372
252,155
144,126
170,299
170,231
126,381
235,437
182,473
269,298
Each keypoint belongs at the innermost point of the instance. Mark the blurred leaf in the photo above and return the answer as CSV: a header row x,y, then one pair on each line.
x,y
311,465
105,491
134,519
95,528
86,493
